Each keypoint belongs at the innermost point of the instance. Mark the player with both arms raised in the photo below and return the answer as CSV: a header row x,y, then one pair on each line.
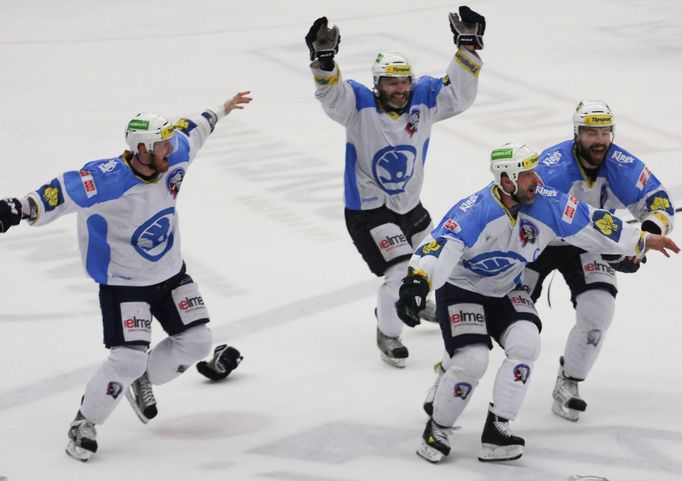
x,y
387,134
130,245
474,260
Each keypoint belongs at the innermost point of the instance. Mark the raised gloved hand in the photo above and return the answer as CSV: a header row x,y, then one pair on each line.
x,y
323,43
412,298
468,28
225,360
624,263
10,213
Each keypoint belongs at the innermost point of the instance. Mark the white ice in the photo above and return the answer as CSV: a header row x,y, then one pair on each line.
x,y
264,236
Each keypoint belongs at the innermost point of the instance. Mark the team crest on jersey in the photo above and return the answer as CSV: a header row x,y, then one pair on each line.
x,y
490,264
155,236
607,224
412,121
174,181
452,226
593,337
521,373
660,201
393,167
114,389
51,195
528,232
433,248
462,390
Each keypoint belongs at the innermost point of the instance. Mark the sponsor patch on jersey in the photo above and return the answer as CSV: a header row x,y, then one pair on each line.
x,y
108,167
569,209
521,373
324,81
607,224
528,232
433,248
643,178
393,167
391,241
452,226
660,201
552,159
545,191
88,183
114,389
136,321
189,303
522,302
155,236
51,195
174,181
622,157
467,64
467,318
468,203
462,390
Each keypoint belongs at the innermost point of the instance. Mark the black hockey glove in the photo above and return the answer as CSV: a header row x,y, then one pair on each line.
x,y
412,298
10,213
623,263
323,43
225,360
468,28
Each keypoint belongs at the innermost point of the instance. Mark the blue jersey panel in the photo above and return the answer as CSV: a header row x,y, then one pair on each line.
x,y
351,191
364,97
98,254
181,154
425,90
99,181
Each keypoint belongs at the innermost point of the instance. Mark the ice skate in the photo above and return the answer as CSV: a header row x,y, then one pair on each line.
x,y
435,443
567,402
392,350
431,393
82,439
497,441
141,398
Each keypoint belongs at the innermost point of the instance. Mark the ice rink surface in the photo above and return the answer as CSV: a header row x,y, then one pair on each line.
x,y
263,235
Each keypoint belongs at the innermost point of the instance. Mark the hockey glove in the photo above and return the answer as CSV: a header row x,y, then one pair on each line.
x,y
623,263
323,43
225,360
412,298
10,213
468,28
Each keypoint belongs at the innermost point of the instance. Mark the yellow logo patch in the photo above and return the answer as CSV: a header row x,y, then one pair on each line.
x,y
660,203
51,196
607,225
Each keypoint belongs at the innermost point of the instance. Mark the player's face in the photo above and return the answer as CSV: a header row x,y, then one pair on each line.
x,y
593,142
394,91
527,182
160,155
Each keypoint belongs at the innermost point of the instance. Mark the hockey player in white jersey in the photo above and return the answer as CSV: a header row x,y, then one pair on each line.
x,y
130,245
474,260
387,136
594,170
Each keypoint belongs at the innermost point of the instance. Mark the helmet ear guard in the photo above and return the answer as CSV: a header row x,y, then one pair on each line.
x,y
148,129
592,113
511,159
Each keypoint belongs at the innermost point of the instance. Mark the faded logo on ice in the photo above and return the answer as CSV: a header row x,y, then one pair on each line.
x,y
155,237
393,167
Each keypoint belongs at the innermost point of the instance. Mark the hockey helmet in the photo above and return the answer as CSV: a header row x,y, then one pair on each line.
x,y
391,64
147,129
512,159
592,113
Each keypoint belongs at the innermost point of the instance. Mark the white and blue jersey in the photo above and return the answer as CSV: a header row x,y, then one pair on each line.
x,y
479,246
623,182
385,151
127,227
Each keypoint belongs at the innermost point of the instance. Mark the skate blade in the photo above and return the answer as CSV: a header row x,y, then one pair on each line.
x,y
393,361
77,452
491,453
560,410
432,455
133,404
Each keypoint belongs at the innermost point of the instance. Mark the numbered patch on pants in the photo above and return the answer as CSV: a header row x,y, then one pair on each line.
x,y
391,241
521,301
136,321
467,318
189,303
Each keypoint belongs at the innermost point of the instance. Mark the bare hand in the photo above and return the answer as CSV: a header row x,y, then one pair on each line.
x,y
237,101
661,243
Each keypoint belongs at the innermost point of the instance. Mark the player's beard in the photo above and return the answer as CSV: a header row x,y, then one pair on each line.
x,y
160,165
394,101
595,155
527,197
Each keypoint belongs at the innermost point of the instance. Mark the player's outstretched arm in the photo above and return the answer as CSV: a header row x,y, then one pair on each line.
x,y
661,244
236,102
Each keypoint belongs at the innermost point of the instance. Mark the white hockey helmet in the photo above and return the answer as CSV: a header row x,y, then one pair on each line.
x,y
592,113
391,64
147,129
512,159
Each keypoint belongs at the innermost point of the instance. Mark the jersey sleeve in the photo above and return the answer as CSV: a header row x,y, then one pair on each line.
x,y
53,199
436,258
196,130
456,91
337,96
654,206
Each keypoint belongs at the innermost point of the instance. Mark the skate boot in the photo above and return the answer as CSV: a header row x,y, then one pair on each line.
x,y
435,444
428,314
497,441
431,393
141,398
567,402
392,350
82,439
